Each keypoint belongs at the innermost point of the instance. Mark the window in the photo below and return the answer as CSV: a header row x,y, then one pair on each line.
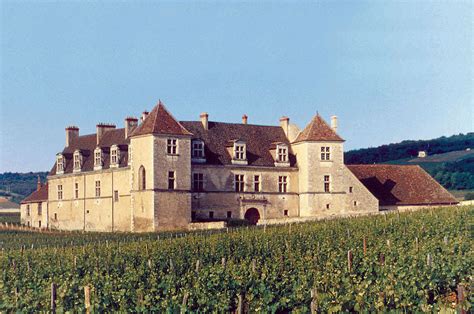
x,y
98,158
60,164
114,156
172,147
239,182
282,154
60,192
239,151
282,184
285,212
39,223
76,190
229,214
97,188
55,216
171,180
256,183
355,203
350,189
116,196
40,209
325,153
198,149
77,161
211,214
327,206
141,178
198,182
28,210
327,184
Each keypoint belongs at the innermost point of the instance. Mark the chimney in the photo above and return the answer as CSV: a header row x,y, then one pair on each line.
x,y
244,119
285,123
102,128
72,133
130,125
334,123
38,184
205,120
144,115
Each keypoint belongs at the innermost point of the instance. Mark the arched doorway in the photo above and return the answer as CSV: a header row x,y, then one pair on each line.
x,y
252,216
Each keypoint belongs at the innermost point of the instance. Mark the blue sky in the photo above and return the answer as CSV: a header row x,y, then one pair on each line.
x,y
389,70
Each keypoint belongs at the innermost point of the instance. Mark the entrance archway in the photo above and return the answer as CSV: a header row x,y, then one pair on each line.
x,y
252,216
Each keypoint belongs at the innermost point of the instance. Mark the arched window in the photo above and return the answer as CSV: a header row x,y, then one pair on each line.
x,y
141,178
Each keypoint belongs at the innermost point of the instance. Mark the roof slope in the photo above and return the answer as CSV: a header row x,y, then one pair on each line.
x,y
160,121
38,195
258,138
402,185
318,130
6,204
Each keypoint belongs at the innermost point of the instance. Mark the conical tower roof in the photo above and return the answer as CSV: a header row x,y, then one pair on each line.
x,y
318,130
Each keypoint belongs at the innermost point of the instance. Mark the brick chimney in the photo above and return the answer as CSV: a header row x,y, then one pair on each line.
x,y
130,125
102,128
72,133
334,123
144,115
285,123
244,119
38,184
205,120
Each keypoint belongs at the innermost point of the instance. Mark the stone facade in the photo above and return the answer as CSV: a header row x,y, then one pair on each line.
x,y
153,185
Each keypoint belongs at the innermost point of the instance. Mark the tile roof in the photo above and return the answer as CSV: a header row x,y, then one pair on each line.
x,y
38,195
259,141
402,185
160,121
6,204
318,130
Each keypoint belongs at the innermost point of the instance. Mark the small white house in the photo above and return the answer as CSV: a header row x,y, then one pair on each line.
x,y
422,154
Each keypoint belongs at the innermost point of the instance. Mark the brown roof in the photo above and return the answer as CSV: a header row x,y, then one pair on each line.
x,y
402,185
318,130
37,196
7,204
160,121
259,140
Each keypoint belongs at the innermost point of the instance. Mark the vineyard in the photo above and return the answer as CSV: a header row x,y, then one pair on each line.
x,y
420,261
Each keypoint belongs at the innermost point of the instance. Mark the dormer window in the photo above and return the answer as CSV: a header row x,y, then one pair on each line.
x,y
282,159
114,156
240,153
77,161
97,159
60,164
197,151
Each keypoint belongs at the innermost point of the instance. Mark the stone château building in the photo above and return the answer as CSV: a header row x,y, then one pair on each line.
x,y
163,174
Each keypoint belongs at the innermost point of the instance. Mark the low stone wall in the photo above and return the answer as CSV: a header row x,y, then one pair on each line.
x,y
290,220
466,203
207,225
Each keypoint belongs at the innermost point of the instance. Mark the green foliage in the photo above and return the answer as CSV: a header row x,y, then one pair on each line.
x,y
275,267
19,185
407,149
469,196
458,175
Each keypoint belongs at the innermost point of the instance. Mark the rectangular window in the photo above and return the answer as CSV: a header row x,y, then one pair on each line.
x,y
256,183
97,188
282,154
211,214
239,182
239,152
77,161
285,212
113,157
198,149
40,209
198,182
327,184
229,214
282,184
171,180
76,190
60,164
98,158
350,189
60,192
55,216
27,210
327,206
172,146
116,196
325,153
39,223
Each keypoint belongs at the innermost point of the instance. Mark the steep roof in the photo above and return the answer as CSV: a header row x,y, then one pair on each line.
x,y
160,121
402,185
38,195
6,204
259,140
318,130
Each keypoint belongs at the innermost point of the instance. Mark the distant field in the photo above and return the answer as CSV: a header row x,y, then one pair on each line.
x,y
411,262
459,194
10,218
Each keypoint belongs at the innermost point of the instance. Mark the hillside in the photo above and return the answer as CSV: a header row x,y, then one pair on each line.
x,y
16,186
